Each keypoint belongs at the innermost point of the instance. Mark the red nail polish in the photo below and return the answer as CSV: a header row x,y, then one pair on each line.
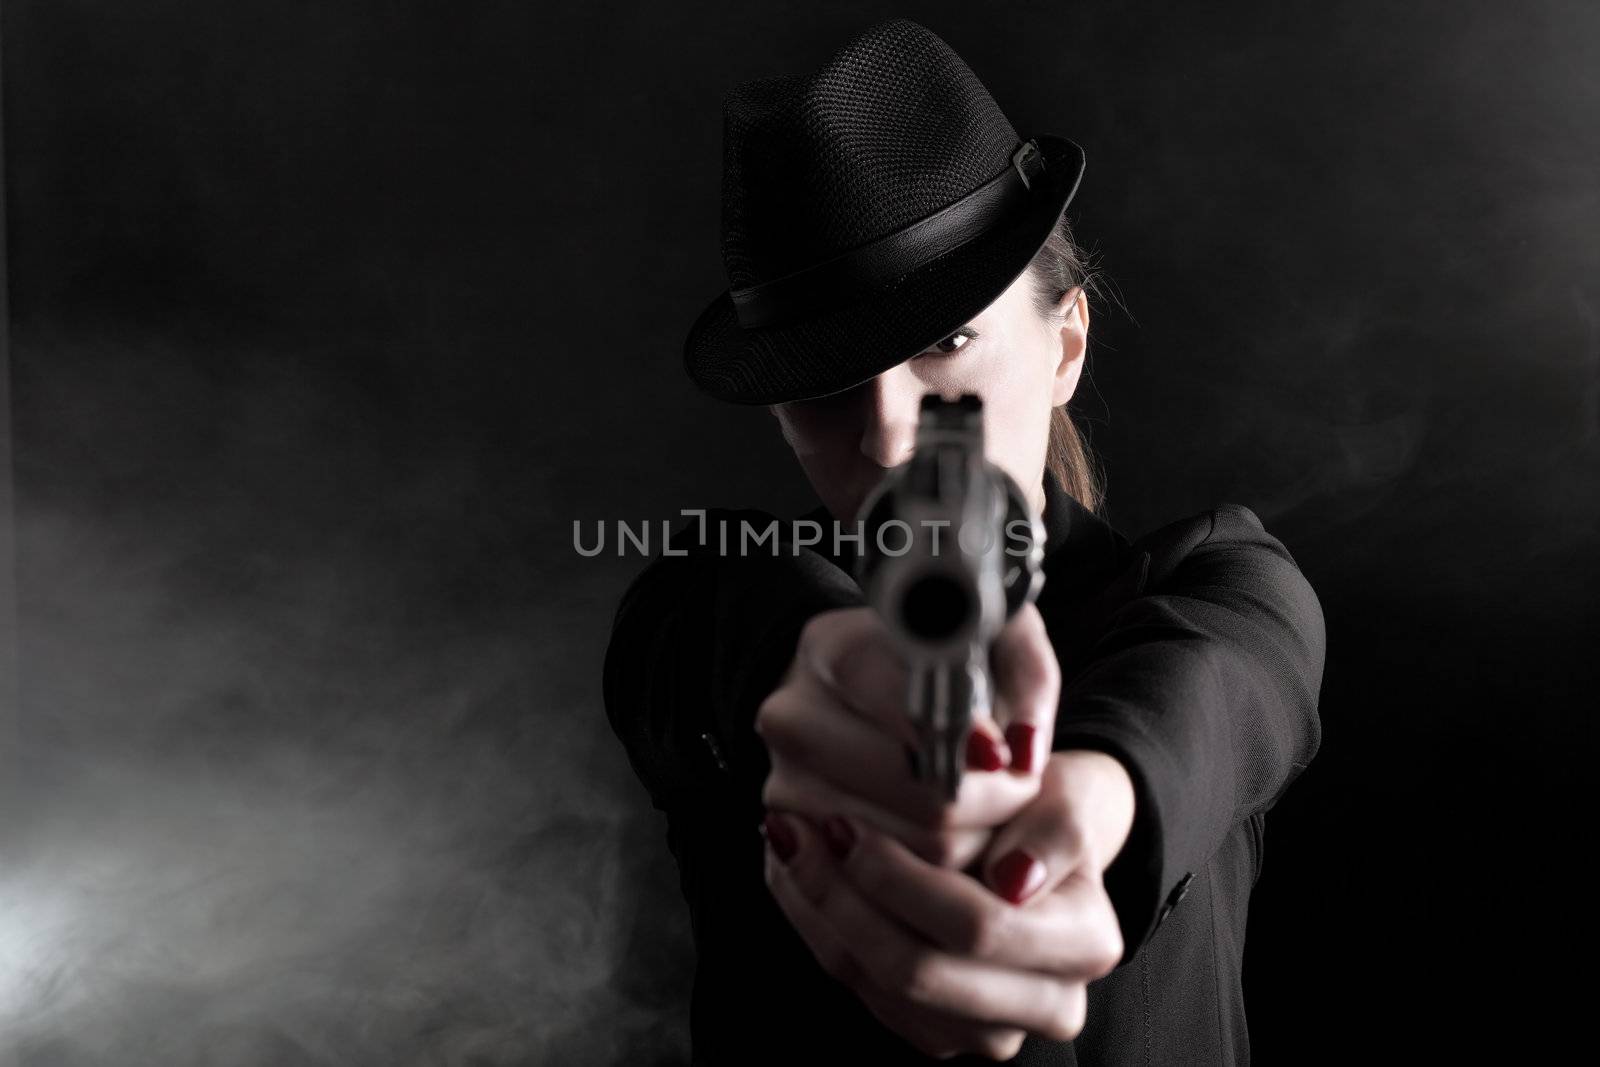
x,y
840,835
1019,735
982,753
782,837
1017,874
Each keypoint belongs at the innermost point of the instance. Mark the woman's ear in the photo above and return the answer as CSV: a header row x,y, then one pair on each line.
x,y
1072,341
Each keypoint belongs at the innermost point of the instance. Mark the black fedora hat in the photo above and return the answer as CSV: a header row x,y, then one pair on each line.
x,y
870,209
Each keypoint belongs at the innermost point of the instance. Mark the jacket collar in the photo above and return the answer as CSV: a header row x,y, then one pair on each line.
x,y
1082,550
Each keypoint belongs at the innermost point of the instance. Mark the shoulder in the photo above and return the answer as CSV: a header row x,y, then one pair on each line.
x,y
1222,523
675,553
1228,533
739,538
690,545
711,530
1231,579
731,545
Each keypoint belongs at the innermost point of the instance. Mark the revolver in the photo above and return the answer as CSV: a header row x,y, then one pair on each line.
x,y
950,551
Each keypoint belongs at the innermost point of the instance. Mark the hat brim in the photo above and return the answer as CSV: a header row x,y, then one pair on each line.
x,y
853,343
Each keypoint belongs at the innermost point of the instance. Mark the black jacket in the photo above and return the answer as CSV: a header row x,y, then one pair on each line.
x,y
1194,654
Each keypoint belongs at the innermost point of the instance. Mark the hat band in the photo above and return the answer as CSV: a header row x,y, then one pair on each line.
x,y
886,258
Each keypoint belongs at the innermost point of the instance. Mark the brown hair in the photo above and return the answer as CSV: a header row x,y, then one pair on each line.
x,y
1057,268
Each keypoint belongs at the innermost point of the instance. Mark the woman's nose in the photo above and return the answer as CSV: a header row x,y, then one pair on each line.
x,y
889,431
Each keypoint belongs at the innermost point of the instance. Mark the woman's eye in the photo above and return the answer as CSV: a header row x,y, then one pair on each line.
x,y
954,343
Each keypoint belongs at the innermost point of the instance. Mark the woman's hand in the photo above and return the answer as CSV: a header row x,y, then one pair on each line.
x,y
836,729
942,960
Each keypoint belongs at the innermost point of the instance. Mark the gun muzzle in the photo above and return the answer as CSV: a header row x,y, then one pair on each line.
x,y
951,551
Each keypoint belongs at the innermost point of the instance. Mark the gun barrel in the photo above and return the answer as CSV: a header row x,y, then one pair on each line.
x,y
948,590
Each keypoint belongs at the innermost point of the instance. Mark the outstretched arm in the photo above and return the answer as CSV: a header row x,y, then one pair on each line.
x,y
1205,686
697,642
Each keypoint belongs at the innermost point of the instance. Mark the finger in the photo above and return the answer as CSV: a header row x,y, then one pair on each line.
x,y
793,788
933,1033
938,1034
851,653
831,952
816,732
1071,932
908,967
1032,853
1027,687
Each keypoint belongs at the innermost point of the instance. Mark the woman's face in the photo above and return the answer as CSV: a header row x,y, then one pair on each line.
x,y
1020,363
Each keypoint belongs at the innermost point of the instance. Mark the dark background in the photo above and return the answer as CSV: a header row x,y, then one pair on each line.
x,y
326,321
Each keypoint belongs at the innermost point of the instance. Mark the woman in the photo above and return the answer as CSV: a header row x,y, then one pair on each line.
x,y
887,234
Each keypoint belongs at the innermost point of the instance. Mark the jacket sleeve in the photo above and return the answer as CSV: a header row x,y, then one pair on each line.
x,y
1205,686
698,641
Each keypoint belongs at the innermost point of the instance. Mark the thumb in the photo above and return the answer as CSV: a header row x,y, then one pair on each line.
x,y
1033,853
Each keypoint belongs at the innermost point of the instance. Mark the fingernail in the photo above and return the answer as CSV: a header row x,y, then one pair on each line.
x,y
982,753
840,835
1019,735
781,835
1017,874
